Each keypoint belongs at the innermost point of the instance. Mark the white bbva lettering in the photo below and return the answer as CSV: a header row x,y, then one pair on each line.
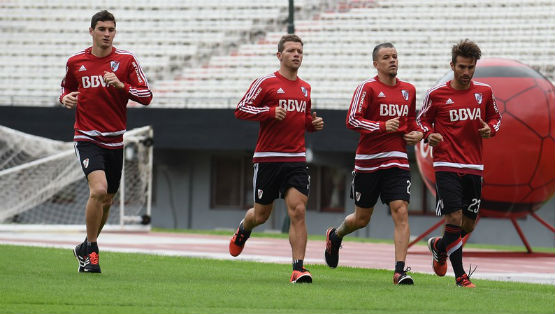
x,y
393,110
464,114
293,105
92,81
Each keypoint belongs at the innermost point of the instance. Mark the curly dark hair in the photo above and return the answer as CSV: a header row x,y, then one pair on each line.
x,y
465,48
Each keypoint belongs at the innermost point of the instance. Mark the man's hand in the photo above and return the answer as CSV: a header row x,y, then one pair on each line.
x,y
112,80
317,122
392,125
434,139
413,137
280,113
70,100
485,131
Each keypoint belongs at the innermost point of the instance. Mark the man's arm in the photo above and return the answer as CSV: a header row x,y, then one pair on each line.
x,y
493,117
69,92
425,121
137,88
250,107
355,116
414,134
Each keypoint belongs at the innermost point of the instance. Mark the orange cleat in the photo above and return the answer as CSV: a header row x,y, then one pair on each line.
x,y
464,281
438,258
303,276
237,242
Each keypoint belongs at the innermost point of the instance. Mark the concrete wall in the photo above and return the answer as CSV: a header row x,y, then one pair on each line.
x,y
181,174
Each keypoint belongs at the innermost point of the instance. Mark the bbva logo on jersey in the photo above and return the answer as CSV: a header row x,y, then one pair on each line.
x,y
92,81
393,110
293,105
464,114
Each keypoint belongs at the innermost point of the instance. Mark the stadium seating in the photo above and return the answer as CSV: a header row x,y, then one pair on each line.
x,y
206,53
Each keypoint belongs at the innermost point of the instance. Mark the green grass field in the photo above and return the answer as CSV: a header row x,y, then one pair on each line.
x,y
41,280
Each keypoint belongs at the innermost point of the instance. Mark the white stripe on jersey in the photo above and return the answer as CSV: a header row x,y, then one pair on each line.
x,y
498,124
140,70
250,93
278,154
99,142
354,106
457,165
98,133
381,155
381,166
426,105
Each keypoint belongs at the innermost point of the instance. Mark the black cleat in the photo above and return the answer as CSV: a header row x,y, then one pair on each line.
x,y
80,254
403,278
332,250
91,263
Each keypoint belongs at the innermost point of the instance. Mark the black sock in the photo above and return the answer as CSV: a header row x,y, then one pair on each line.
x,y
456,262
399,266
335,239
92,247
452,244
298,264
243,231
463,233
452,234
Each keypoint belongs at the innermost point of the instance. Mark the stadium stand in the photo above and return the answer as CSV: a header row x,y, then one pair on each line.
x,y
201,54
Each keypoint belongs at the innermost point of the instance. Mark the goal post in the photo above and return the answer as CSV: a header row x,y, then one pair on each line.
x,y
44,187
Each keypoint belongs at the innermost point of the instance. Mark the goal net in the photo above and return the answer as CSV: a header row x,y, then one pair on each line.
x,y
43,185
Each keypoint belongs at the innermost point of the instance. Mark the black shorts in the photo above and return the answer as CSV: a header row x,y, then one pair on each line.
x,y
389,184
272,180
456,191
93,157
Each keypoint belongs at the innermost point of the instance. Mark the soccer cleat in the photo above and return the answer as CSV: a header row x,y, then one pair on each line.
x,y
464,281
91,263
79,252
403,278
332,251
237,242
303,276
438,258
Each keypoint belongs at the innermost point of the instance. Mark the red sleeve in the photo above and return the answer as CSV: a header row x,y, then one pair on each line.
x,y
69,83
493,117
137,87
411,119
251,105
426,117
308,118
357,110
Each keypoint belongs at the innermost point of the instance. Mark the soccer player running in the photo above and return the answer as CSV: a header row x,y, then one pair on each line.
x,y
281,102
383,112
98,83
455,116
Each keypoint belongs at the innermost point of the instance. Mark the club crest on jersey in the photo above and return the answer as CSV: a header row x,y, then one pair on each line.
x,y
260,192
86,163
305,91
405,94
357,196
114,65
478,98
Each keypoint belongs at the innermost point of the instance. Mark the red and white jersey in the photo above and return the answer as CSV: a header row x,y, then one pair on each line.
x,y
372,105
456,114
101,112
278,141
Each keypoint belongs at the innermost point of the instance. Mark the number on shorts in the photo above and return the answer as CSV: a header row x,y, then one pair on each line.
x,y
408,187
474,207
